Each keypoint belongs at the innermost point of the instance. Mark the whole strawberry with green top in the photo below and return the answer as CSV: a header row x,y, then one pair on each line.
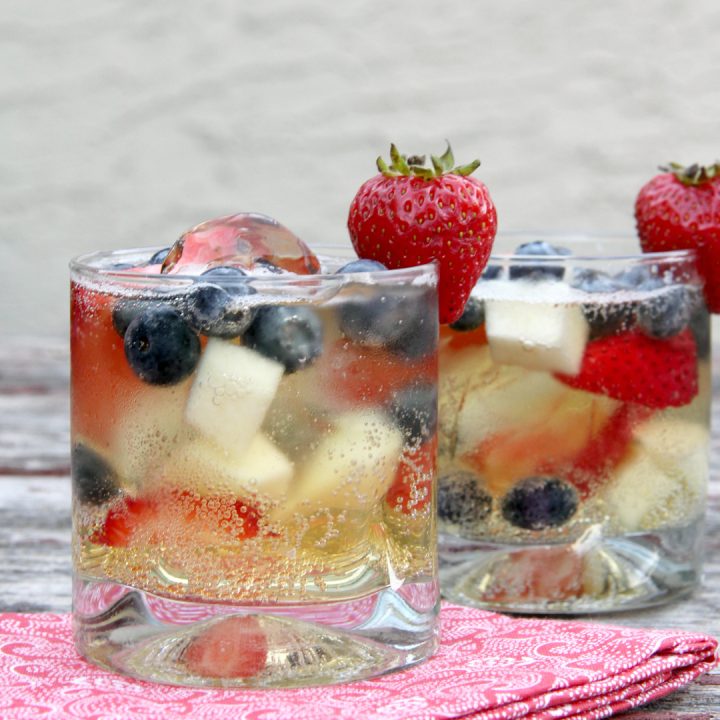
x,y
410,214
680,209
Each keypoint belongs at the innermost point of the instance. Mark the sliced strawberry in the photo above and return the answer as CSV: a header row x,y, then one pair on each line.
x,y
603,453
412,488
367,376
639,369
176,514
235,647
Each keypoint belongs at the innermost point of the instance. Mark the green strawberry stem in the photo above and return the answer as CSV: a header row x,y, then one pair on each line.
x,y
692,174
414,165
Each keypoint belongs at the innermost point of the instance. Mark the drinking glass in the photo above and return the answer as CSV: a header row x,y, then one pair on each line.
x,y
253,462
574,429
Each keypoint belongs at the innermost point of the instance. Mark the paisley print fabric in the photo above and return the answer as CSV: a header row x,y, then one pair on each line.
x,y
489,667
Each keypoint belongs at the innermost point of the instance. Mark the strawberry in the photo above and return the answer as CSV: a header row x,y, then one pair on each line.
x,y
410,214
412,487
153,517
680,209
633,367
234,647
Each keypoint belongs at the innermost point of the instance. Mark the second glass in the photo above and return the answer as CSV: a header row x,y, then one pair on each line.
x,y
574,430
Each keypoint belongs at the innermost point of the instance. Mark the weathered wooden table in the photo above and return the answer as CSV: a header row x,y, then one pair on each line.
x,y
35,513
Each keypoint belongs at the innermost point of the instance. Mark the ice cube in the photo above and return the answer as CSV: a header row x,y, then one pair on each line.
x,y
250,241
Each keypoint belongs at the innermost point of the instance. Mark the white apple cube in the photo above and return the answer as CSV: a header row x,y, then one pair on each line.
x,y
207,469
148,430
537,334
231,393
352,467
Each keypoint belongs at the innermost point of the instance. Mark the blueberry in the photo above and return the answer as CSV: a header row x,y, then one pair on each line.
x,y
125,310
290,334
639,277
161,347
538,248
398,320
473,315
159,256
668,313
266,266
491,272
220,312
461,500
228,272
605,318
414,409
536,503
93,479
357,266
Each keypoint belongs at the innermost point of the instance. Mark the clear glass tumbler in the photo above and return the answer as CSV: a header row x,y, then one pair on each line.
x,y
574,429
253,490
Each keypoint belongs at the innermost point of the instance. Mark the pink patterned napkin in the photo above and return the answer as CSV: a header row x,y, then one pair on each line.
x,y
489,666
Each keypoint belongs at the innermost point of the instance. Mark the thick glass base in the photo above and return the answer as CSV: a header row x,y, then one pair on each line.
x,y
206,644
594,574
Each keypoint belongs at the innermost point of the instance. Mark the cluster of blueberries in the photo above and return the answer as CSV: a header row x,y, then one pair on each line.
x,y
535,503
161,333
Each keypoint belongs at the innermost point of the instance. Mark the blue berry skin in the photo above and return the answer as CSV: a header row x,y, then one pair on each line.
x,y
639,277
357,266
667,314
607,318
159,256
290,334
491,272
538,248
473,316
226,272
268,266
161,347
93,479
537,503
414,410
397,320
219,311
461,500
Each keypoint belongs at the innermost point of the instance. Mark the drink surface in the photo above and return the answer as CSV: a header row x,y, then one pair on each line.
x,y
573,437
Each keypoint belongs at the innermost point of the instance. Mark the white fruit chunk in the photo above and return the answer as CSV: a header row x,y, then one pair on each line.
x,y
232,391
537,335
149,427
664,480
207,469
352,467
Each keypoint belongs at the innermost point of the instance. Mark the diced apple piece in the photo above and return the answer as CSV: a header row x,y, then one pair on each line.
x,y
509,397
207,469
352,467
231,393
148,428
537,334
663,481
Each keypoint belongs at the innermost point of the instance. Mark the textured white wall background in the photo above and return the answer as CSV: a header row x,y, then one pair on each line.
x,y
123,122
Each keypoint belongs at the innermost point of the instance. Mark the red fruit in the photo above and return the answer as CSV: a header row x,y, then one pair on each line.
x,y
680,209
175,514
410,215
412,487
235,647
355,375
603,453
639,369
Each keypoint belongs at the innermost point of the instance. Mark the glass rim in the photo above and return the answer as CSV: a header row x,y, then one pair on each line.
x,y
86,265
575,237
